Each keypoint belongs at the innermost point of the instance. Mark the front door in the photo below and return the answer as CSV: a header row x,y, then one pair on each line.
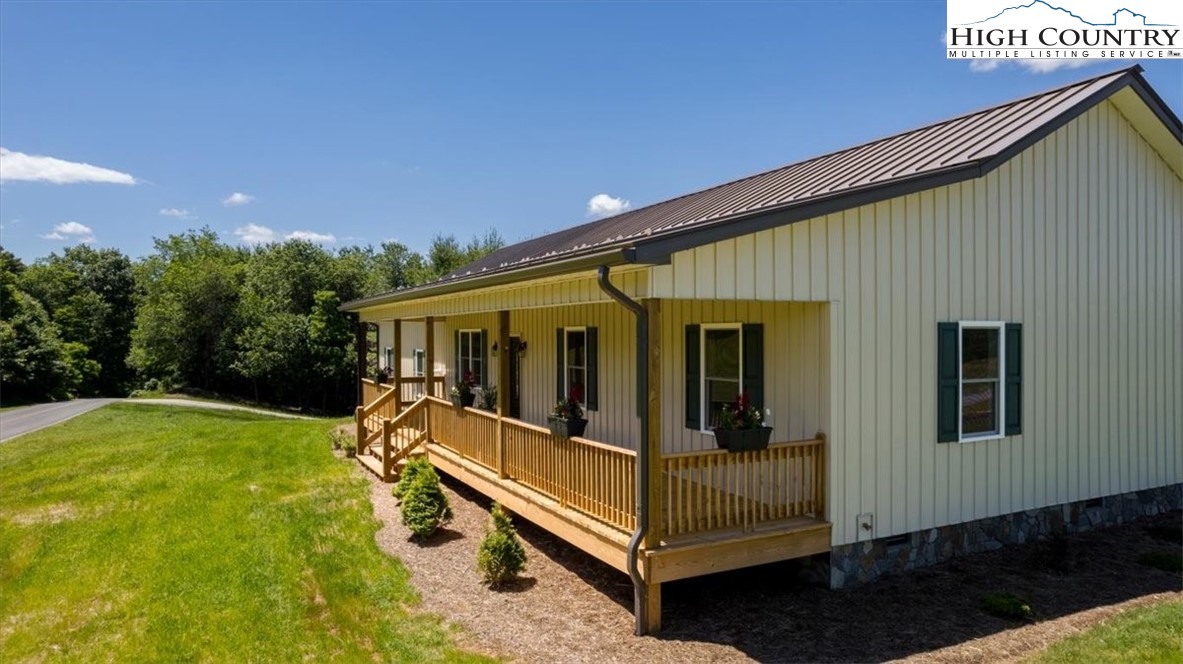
x,y
515,375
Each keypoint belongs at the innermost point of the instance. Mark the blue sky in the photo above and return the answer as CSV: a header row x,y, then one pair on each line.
x,y
366,122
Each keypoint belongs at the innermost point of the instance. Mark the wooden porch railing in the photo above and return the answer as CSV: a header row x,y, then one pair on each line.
x,y
371,390
595,479
700,491
403,434
720,489
470,432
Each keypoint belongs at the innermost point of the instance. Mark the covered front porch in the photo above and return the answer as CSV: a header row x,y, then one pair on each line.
x,y
706,510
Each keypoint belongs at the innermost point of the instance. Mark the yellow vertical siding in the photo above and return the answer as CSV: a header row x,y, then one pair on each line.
x,y
795,359
1079,237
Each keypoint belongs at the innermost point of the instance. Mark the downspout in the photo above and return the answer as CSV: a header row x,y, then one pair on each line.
x,y
640,590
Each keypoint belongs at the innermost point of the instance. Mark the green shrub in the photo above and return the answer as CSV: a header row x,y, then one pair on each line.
x,y
1006,605
501,556
1167,561
412,470
425,506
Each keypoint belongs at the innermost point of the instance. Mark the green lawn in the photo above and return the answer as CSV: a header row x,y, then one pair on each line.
x,y
1145,634
139,533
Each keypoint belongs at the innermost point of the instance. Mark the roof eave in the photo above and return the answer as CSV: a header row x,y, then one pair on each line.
x,y
610,257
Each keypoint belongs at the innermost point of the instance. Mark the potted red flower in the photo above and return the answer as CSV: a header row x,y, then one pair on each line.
x,y
741,428
566,420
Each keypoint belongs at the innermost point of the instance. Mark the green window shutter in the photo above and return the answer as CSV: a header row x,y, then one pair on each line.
x,y
753,364
948,382
483,378
592,388
560,365
1014,379
456,360
693,378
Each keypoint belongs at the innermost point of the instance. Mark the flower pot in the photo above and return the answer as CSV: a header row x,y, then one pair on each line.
x,y
463,400
743,440
564,428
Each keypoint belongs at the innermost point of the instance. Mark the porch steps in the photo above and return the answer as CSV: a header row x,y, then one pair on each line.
x,y
371,460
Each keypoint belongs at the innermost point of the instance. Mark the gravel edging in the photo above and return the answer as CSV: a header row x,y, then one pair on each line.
x,y
570,607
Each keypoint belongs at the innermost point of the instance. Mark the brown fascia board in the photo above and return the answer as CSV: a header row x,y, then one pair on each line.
x,y
533,270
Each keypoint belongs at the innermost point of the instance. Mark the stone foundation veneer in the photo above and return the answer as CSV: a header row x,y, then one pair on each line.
x,y
854,564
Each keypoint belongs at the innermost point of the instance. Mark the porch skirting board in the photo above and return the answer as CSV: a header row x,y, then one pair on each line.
x,y
862,562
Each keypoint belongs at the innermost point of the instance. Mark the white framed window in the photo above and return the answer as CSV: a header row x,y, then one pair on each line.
x,y
721,359
418,362
388,355
470,358
575,363
981,388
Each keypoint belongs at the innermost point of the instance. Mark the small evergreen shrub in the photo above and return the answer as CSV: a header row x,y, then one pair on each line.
x,y
501,556
1167,561
412,470
425,506
1006,605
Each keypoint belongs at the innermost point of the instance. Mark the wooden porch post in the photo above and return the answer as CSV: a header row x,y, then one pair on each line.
x,y
653,442
359,342
396,371
502,388
429,369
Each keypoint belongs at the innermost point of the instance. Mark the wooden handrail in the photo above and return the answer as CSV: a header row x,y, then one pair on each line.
x,y
588,476
714,489
385,398
771,446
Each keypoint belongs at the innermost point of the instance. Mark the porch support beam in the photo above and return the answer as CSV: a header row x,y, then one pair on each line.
x,y
653,449
502,388
359,343
396,370
429,369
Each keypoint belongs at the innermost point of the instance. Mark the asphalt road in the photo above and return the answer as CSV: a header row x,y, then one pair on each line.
x,y
22,420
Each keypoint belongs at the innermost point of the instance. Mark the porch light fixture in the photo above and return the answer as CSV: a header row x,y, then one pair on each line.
x,y
494,349
521,348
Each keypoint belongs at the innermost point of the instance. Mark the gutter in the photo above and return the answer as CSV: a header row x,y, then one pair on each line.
x,y
499,277
640,590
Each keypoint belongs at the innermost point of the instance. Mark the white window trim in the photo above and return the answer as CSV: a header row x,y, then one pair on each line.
x,y
702,368
418,362
566,367
473,333
1001,414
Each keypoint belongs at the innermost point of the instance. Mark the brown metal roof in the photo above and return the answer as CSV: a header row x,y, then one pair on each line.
x,y
948,151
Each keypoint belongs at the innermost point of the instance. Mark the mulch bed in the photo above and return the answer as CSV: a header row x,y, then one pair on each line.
x,y
569,607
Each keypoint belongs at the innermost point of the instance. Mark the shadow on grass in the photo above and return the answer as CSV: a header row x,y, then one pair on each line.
x,y
771,614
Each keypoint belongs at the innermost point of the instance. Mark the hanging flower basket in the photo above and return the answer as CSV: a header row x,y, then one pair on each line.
x,y
743,440
566,428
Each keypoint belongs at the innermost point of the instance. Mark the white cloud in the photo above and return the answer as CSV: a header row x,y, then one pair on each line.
x,y
71,230
255,234
1031,65
18,166
177,212
603,205
312,236
236,199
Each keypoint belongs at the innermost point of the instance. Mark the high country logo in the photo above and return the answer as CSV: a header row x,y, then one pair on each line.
x,y
1073,29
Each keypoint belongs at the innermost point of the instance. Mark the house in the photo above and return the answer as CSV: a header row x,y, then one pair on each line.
x,y
962,336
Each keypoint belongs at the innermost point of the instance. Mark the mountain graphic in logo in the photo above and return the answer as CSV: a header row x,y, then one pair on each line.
x,y
1124,15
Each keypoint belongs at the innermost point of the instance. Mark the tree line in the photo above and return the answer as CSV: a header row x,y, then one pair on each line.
x,y
198,314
